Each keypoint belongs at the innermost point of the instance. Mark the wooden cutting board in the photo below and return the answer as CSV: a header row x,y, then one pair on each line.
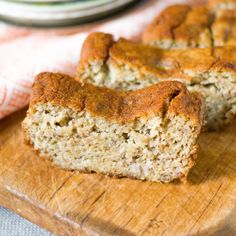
x,y
69,203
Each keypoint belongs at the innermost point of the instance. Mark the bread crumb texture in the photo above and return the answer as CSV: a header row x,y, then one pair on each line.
x,y
157,142
219,5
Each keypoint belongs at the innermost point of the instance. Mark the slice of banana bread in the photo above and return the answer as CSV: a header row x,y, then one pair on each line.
x,y
148,134
180,26
129,66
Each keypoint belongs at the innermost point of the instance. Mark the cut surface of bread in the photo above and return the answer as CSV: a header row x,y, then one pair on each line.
x,y
181,27
149,134
218,5
130,66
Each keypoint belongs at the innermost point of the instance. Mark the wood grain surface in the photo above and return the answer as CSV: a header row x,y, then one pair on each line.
x,y
70,203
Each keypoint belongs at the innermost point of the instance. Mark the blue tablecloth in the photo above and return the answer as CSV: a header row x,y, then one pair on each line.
x,y
14,225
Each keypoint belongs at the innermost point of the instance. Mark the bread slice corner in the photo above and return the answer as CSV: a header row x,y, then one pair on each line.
x,y
148,134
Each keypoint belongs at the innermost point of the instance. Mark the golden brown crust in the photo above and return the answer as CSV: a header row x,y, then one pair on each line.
x,y
142,57
101,42
224,28
180,26
170,97
163,25
173,63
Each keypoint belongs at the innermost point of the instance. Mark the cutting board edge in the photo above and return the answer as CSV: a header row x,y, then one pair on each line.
x,y
26,209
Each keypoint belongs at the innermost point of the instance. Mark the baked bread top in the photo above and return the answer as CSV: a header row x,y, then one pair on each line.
x,y
180,26
95,48
224,28
169,97
101,43
184,64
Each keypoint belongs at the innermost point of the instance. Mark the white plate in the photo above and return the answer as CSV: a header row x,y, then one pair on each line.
x,y
14,7
42,1
71,13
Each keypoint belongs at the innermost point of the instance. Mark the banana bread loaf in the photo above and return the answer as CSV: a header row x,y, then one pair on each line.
x,y
182,26
125,65
148,134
